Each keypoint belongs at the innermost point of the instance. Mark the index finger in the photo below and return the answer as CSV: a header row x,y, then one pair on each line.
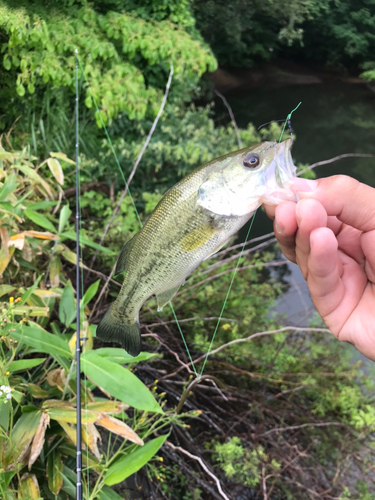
x,y
351,201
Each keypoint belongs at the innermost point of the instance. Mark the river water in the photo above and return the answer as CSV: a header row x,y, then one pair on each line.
x,y
334,118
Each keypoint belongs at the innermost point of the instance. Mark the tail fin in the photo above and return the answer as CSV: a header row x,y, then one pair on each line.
x,y
114,329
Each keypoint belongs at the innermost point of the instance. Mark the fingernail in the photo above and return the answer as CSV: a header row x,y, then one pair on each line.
x,y
304,184
278,228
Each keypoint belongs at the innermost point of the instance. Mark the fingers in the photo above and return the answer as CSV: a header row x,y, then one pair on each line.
x,y
310,215
324,271
349,200
305,216
285,227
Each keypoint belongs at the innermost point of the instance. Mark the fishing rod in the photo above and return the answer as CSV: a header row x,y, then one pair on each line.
x,y
78,319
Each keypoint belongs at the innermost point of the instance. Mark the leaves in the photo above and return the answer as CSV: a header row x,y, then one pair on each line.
x,y
119,382
40,340
38,440
90,293
54,471
24,364
39,219
67,307
120,356
23,432
65,213
57,172
126,466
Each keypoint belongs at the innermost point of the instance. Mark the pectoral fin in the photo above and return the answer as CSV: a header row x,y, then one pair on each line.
x,y
163,298
198,237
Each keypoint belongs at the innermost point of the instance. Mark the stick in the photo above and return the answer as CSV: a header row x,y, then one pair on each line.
x,y
335,158
117,208
227,105
203,465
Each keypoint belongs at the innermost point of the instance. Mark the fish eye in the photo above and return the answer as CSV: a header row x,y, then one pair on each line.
x,y
251,160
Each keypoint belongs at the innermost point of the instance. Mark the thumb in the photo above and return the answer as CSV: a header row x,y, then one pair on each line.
x,y
342,196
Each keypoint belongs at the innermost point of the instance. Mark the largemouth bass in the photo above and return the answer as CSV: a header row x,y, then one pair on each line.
x,y
192,221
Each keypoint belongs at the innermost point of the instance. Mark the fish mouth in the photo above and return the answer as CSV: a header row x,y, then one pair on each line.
x,y
280,174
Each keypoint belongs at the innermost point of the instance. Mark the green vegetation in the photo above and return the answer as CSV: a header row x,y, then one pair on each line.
x,y
284,413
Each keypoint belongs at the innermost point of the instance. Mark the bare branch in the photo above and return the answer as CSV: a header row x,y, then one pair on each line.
x,y
228,271
294,427
240,245
146,143
203,465
262,334
219,263
187,320
335,158
227,105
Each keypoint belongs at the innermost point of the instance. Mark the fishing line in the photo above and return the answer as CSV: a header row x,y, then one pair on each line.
x,y
110,143
198,375
131,198
227,295
287,121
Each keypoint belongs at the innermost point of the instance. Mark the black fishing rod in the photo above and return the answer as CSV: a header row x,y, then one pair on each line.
x,y
78,319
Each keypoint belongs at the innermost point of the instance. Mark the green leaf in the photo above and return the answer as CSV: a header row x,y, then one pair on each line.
x,y
65,213
6,289
86,241
42,204
41,340
69,483
108,494
126,466
24,364
54,471
119,382
24,430
90,293
5,417
67,307
120,356
7,62
9,186
30,290
40,220
20,90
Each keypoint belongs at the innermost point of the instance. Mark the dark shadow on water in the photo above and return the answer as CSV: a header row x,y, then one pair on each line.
x,y
334,118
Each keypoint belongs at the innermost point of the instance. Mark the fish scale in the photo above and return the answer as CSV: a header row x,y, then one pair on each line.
x,y
185,228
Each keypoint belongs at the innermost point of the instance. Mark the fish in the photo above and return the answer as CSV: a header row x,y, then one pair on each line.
x,y
193,220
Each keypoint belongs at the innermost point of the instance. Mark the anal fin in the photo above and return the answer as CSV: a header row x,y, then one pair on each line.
x,y
163,298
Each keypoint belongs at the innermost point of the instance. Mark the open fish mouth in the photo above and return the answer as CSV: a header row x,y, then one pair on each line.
x,y
280,174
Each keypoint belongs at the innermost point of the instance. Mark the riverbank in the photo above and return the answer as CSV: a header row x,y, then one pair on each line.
x,y
277,73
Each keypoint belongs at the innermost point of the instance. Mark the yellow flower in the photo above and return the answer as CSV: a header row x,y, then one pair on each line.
x,y
11,300
160,459
18,300
226,326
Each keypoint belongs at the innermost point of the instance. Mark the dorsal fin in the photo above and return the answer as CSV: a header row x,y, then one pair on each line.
x,y
123,260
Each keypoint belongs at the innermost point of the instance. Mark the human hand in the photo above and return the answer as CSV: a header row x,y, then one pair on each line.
x,y
330,234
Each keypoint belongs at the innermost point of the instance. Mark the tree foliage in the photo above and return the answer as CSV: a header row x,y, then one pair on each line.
x,y
124,57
